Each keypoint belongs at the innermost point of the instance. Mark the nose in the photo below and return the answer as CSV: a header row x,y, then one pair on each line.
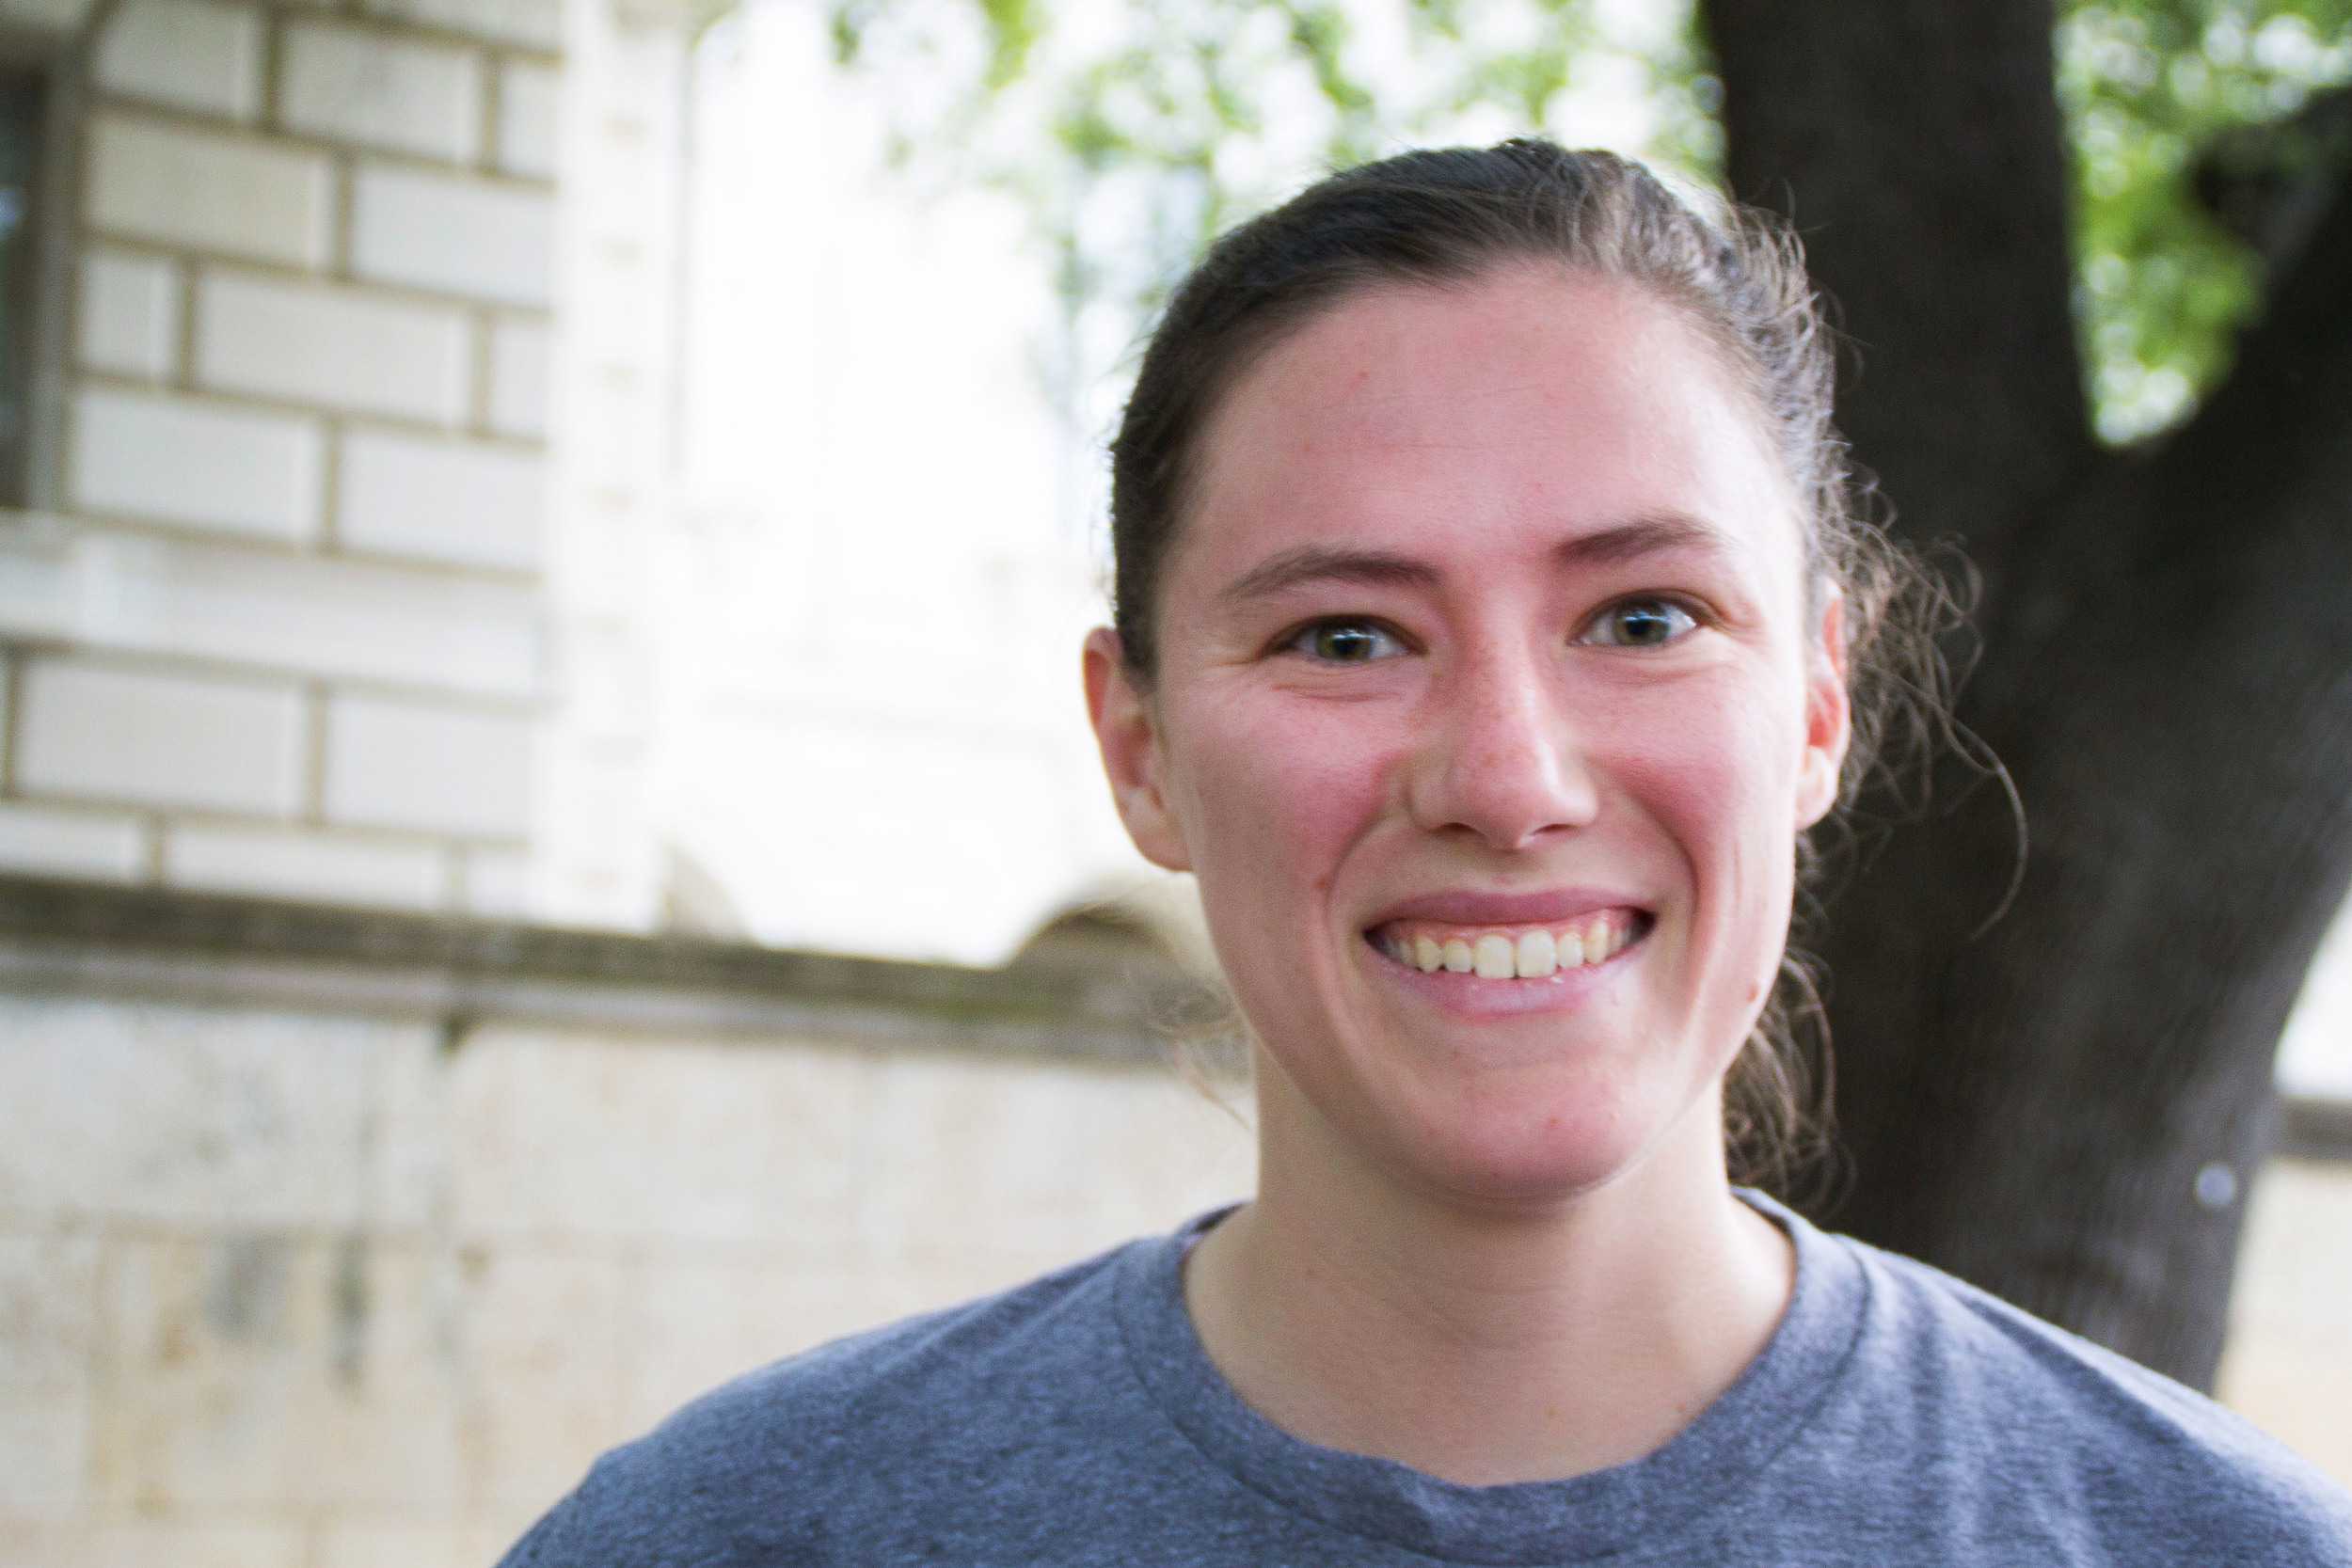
x,y
1500,758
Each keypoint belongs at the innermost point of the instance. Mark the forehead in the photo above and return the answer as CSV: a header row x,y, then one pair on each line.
x,y
1528,406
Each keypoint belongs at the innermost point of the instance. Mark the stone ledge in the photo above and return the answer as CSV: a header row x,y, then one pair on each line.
x,y
48,21
91,938
2314,1128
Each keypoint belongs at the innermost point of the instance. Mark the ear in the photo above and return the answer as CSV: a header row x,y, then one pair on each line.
x,y
1127,728
1828,715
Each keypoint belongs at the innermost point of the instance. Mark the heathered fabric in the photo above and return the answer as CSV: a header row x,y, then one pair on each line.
x,y
1896,1417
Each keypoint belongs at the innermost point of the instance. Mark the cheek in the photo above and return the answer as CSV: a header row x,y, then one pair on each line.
x,y
1720,777
1270,794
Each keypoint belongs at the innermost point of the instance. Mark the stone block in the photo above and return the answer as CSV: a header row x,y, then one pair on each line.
x,y
48,1305
42,596
129,322
147,1543
495,884
453,234
318,616
160,739
214,190
463,502
560,1136
529,119
394,764
368,1544
2287,1367
533,24
172,459
258,1369
44,1454
48,1308
53,841
410,1166
520,383
2297,1286
199,54
998,1140
336,348
380,90
156,1114
545,1359
304,864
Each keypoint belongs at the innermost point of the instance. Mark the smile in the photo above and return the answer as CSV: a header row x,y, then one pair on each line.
x,y
1510,952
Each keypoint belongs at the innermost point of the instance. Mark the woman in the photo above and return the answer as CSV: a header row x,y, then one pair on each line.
x,y
1492,625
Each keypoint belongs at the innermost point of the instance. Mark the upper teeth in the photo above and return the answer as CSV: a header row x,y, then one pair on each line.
x,y
1529,955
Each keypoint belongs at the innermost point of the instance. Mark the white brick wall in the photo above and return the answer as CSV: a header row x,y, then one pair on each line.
x,y
293,864
528,127
161,740
180,460
341,348
56,842
243,401
199,55
377,90
453,234
405,765
235,194
520,366
534,24
309,614
130,315
463,502
495,884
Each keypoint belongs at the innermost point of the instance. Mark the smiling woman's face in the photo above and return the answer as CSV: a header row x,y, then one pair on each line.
x,y
1486,643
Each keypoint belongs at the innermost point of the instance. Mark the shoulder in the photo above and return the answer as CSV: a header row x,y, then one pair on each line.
x,y
2121,1452
735,1475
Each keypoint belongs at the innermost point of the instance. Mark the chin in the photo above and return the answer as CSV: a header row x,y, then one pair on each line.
x,y
1554,1150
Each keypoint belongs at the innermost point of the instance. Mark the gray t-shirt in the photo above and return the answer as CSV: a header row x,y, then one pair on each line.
x,y
1895,1416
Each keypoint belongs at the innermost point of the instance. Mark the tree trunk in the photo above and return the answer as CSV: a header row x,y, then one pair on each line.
x,y
2068,1106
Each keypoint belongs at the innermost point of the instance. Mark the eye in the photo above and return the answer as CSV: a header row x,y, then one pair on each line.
x,y
1640,623
1344,641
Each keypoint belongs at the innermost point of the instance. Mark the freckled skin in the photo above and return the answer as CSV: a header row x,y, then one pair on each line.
x,y
1494,745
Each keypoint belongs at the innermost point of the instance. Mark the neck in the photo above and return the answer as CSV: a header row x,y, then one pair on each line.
x,y
1486,1346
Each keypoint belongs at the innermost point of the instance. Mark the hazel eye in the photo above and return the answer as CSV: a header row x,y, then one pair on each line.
x,y
1641,623
1345,642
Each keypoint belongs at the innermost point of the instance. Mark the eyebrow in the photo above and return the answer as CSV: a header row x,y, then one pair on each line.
x,y
1651,534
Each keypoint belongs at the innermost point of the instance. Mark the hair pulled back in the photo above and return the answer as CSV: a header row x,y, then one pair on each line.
x,y
1449,216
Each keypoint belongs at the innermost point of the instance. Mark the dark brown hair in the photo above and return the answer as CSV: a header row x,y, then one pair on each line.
x,y
1447,217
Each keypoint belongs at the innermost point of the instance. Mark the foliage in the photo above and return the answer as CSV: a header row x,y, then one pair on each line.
x,y
2150,87
1135,130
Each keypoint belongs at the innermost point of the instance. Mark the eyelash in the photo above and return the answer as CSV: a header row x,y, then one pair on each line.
x,y
1292,640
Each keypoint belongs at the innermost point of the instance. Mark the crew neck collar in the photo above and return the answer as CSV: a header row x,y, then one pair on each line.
x,y
1649,1500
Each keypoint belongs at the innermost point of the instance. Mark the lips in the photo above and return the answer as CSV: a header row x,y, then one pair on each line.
x,y
1549,907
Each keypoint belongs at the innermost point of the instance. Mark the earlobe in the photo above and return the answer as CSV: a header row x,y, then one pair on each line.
x,y
1126,731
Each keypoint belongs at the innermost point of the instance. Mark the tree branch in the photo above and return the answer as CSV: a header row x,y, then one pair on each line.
x,y
1917,145
2279,429
2270,183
